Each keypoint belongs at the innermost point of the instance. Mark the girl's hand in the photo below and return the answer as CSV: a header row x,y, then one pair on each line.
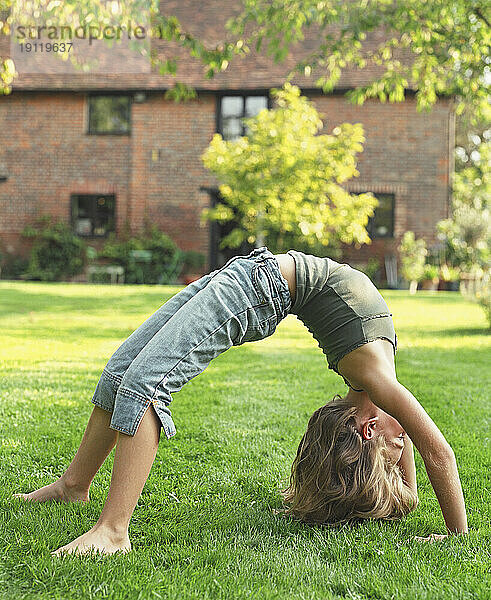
x,y
433,537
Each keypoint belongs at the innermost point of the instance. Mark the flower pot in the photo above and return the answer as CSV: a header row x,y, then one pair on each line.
x,y
452,286
430,284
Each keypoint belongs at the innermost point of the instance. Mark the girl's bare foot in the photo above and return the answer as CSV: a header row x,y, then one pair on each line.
x,y
59,491
97,539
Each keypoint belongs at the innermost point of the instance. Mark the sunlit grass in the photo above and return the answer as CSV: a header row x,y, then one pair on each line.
x,y
204,526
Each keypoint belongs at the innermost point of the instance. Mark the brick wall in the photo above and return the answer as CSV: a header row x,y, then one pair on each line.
x,y
406,153
156,172
48,156
167,141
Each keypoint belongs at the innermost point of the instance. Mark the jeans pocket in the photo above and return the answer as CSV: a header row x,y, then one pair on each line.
x,y
261,323
261,284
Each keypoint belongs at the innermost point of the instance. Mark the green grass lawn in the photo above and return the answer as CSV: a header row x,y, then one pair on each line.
x,y
204,526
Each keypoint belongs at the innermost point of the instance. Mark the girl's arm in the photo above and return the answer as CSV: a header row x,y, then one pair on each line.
x,y
392,397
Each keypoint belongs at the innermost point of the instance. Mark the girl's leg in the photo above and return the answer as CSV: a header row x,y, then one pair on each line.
x,y
112,376
132,463
99,439
74,484
205,326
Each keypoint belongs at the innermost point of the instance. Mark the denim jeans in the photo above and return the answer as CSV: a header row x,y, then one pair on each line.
x,y
242,301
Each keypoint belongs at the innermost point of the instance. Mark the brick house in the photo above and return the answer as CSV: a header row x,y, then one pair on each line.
x,y
105,152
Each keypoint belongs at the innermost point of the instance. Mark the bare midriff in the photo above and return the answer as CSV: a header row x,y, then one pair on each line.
x,y
287,268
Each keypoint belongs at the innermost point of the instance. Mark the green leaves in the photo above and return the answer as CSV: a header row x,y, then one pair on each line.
x,y
412,253
446,45
7,75
443,47
284,177
56,253
164,261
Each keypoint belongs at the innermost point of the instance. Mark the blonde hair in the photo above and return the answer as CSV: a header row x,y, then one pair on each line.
x,y
337,476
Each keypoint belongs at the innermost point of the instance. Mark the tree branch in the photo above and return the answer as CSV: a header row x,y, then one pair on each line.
x,y
478,13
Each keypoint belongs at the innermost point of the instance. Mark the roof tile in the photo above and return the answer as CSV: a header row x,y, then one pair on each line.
x,y
206,21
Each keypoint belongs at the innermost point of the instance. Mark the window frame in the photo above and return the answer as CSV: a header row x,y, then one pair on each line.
x,y
73,198
92,95
242,94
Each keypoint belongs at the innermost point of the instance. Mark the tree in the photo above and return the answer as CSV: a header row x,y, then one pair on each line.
x,y
284,178
436,47
467,234
472,130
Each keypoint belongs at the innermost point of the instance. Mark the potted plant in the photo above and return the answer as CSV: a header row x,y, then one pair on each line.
x,y
450,276
193,263
430,278
412,253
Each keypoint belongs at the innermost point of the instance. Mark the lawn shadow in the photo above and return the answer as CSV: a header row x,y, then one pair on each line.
x,y
458,332
74,333
462,332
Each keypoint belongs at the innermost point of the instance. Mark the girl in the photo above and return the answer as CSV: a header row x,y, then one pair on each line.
x,y
355,459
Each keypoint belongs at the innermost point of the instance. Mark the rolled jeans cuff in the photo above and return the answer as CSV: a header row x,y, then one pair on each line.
x,y
128,406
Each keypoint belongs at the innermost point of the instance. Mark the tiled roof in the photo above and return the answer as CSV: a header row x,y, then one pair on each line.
x,y
206,21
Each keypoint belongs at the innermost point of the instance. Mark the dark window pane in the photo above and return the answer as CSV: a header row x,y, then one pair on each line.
x,y
234,109
382,222
103,215
109,114
82,215
93,215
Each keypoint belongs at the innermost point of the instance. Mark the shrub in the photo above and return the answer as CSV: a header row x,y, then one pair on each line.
x,y
13,266
431,272
192,260
466,236
57,253
151,257
483,296
448,273
412,253
480,291
370,268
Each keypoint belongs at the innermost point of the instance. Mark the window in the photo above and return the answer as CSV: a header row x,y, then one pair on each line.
x,y
109,114
93,215
235,108
381,225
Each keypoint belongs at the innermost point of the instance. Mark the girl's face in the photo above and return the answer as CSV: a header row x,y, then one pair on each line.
x,y
372,421
394,435
382,423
